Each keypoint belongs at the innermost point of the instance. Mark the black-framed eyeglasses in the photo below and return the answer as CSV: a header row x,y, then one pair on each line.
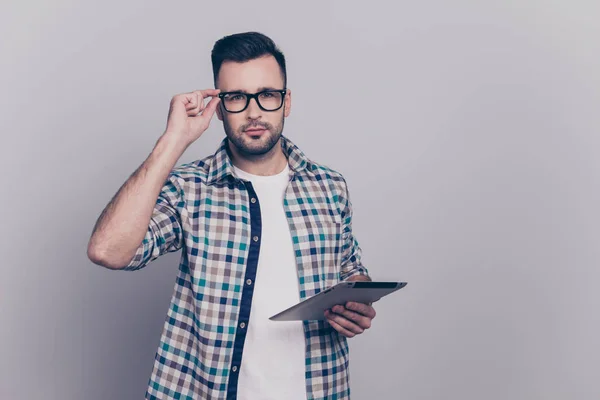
x,y
267,100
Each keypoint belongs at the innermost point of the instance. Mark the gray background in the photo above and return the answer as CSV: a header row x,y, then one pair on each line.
x,y
468,133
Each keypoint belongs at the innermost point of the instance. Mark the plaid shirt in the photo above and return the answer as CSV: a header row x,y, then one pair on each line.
x,y
214,216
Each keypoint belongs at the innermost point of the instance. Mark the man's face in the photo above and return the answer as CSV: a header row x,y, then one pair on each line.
x,y
241,128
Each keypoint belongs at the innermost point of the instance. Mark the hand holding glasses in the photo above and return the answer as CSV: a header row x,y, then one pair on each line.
x,y
188,115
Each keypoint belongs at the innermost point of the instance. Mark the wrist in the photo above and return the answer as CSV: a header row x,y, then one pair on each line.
x,y
172,142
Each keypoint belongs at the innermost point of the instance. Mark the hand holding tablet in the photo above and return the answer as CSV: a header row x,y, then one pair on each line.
x,y
341,294
350,319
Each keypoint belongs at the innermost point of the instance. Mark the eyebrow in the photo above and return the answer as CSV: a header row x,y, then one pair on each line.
x,y
260,89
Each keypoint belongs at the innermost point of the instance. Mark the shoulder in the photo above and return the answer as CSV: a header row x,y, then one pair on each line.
x,y
313,169
192,172
334,178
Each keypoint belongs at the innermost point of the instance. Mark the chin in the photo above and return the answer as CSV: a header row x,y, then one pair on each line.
x,y
256,149
260,145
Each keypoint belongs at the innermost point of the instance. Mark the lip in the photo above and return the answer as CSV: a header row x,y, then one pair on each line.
x,y
255,131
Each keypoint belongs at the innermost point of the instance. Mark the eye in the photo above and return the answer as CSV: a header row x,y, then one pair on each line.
x,y
236,97
267,95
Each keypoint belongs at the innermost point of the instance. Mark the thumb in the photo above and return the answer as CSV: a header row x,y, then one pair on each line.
x,y
210,108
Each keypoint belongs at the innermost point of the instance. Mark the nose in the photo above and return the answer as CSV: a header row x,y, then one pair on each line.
x,y
253,110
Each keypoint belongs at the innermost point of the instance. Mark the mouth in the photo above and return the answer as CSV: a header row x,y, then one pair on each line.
x,y
255,131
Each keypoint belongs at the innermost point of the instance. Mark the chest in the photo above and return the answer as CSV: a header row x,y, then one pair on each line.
x,y
220,226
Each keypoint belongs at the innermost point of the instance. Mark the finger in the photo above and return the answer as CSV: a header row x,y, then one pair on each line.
x,y
346,323
200,100
200,95
340,328
196,105
211,107
208,92
361,308
356,318
190,100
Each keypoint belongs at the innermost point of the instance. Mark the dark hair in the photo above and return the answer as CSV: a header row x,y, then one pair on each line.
x,y
241,47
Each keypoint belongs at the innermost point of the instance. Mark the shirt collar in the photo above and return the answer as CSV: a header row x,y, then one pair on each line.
x,y
221,166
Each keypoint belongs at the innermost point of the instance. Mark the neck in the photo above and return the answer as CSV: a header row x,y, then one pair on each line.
x,y
270,163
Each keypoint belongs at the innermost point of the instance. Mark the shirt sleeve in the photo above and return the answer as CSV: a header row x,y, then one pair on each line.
x,y
351,251
164,232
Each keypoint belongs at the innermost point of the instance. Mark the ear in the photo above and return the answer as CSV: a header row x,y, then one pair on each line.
x,y
288,102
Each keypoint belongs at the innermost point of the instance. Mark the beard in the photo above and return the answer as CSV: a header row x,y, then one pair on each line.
x,y
250,146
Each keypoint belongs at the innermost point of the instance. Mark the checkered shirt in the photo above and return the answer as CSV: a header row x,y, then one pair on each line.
x,y
214,217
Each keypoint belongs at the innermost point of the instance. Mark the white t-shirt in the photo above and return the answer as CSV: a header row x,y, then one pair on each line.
x,y
274,352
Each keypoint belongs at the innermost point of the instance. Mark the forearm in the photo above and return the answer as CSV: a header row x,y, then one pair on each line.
x,y
122,225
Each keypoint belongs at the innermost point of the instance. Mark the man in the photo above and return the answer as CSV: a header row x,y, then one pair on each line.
x,y
261,226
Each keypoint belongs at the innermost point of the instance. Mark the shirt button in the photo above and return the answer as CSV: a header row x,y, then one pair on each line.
x,y
234,368
249,282
255,238
243,325
253,200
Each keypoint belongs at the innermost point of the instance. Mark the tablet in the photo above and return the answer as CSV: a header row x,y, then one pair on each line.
x,y
314,307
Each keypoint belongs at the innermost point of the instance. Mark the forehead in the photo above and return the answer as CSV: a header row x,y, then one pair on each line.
x,y
250,75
